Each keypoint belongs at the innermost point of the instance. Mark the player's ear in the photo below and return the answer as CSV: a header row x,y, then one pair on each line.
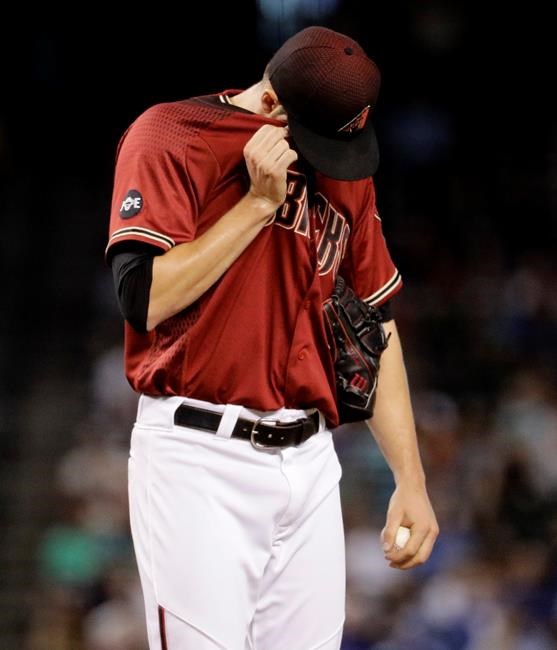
x,y
270,105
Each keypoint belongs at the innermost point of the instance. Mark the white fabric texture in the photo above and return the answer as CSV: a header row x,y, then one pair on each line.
x,y
243,548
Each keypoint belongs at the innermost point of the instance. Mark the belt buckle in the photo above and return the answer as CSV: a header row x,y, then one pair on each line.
x,y
261,445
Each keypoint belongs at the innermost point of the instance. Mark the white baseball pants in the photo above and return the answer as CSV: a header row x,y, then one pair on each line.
x,y
237,548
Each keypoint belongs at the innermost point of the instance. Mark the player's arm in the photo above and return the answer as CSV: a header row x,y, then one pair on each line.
x,y
393,427
185,272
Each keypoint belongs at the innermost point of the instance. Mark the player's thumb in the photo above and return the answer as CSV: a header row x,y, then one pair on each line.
x,y
388,534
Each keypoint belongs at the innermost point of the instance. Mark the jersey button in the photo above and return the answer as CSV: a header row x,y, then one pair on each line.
x,y
302,355
307,304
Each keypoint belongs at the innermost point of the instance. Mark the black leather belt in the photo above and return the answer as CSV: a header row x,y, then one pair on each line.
x,y
262,433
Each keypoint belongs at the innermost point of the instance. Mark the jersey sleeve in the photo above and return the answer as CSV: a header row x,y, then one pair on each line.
x,y
162,175
368,264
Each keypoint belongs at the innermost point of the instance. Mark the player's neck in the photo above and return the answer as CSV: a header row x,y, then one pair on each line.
x,y
249,99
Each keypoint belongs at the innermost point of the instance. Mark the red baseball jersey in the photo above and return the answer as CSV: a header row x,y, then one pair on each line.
x,y
257,336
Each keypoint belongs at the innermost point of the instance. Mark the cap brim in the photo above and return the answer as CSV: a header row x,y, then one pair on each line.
x,y
342,159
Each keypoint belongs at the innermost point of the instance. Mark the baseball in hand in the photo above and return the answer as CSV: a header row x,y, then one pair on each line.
x,y
402,536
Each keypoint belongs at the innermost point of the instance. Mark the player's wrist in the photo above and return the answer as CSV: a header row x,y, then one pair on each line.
x,y
411,476
261,206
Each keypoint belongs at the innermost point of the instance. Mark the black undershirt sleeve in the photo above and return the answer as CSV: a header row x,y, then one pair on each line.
x,y
386,311
132,271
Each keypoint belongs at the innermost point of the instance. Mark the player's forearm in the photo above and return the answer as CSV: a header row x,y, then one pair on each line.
x,y
393,422
185,272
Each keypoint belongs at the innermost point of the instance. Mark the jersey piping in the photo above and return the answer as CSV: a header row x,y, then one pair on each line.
x,y
386,290
156,237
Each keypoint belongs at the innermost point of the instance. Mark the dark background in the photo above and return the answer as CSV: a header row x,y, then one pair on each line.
x,y
467,189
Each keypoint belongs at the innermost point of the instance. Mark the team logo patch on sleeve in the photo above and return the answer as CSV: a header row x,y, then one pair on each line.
x,y
131,205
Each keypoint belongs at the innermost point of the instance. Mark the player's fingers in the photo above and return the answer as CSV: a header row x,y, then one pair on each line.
x,y
286,158
278,113
265,137
421,555
388,534
417,537
259,154
277,150
274,163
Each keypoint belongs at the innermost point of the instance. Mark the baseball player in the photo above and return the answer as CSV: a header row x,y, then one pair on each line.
x,y
232,215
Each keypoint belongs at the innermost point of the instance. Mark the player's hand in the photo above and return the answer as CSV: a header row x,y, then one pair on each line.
x,y
268,155
279,113
409,506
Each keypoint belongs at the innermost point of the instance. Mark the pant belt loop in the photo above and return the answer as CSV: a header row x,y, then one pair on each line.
x,y
228,420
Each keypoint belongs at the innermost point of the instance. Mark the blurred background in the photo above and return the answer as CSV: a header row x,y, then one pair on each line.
x,y
467,189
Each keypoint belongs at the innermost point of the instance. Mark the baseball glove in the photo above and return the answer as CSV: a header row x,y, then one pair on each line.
x,y
357,340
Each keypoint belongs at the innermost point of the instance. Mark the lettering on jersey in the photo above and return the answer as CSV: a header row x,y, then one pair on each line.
x,y
331,229
131,205
293,213
331,232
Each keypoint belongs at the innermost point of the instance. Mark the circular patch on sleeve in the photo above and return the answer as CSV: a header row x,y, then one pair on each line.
x,y
131,205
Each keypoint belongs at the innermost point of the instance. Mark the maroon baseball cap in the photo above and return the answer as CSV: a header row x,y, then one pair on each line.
x,y
329,87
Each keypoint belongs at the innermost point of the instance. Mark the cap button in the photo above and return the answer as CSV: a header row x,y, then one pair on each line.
x,y
348,50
